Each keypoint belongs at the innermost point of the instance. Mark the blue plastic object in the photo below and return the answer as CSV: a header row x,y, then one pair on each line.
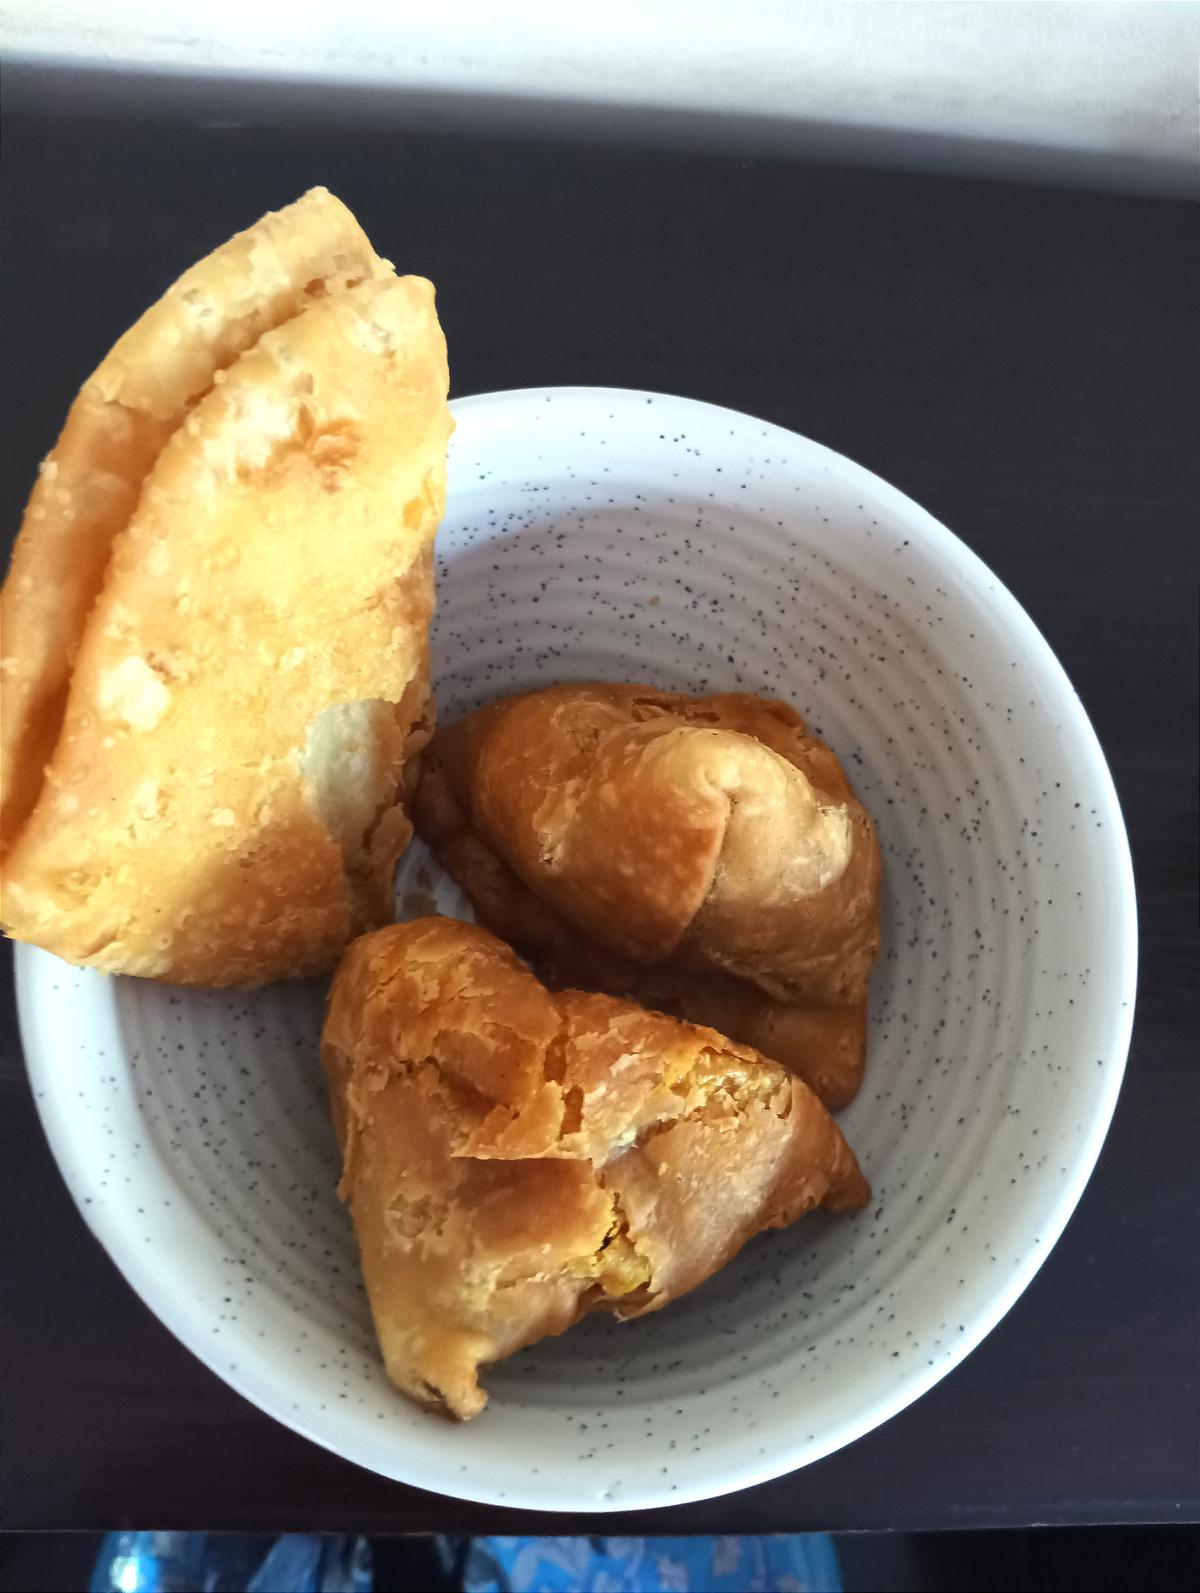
x,y
231,1562
795,1563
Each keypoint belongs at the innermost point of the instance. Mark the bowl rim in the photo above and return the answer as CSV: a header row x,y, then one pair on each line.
x,y
1121,917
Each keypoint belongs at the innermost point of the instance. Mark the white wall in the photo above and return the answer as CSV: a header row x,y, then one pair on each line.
x,y
1104,92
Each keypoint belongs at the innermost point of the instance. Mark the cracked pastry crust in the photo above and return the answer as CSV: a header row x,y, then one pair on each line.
x,y
704,855
243,692
515,1157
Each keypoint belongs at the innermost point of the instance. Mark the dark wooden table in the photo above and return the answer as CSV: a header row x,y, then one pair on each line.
x,y
1022,361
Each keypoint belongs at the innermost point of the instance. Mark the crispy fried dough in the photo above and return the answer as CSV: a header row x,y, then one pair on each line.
x,y
116,428
220,803
514,1158
705,855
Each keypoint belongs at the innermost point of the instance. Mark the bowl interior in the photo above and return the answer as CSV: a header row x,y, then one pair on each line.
x,y
600,534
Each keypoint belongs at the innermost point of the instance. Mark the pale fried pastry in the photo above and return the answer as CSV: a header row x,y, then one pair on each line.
x,y
138,395
702,855
220,804
514,1158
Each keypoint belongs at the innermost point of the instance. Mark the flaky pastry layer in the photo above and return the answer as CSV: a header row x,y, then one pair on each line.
x,y
705,855
515,1157
220,801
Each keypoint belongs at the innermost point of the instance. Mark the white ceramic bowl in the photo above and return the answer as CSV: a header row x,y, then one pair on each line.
x,y
596,533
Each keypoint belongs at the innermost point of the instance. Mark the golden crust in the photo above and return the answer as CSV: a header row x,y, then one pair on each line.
x,y
702,855
514,1158
220,805
126,410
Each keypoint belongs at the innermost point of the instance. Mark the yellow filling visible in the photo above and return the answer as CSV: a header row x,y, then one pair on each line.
x,y
620,1268
617,1268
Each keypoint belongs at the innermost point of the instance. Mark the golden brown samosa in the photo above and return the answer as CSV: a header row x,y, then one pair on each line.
x,y
217,803
515,1158
701,854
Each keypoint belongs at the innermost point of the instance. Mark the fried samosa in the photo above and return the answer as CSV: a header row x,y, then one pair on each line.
x,y
705,855
514,1158
206,746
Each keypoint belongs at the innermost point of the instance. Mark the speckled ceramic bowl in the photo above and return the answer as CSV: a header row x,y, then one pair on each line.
x,y
620,535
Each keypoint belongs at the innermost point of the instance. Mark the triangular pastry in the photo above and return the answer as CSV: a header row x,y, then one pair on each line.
x,y
515,1158
701,854
219,804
